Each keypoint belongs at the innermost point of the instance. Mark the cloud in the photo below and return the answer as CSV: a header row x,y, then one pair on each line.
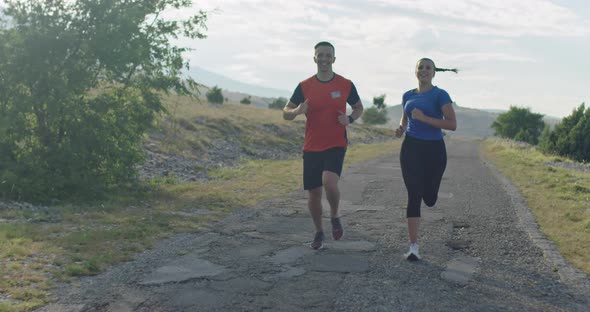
x,y
498,17
270,42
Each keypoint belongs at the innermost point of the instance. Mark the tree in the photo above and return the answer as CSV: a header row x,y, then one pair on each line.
x,y
215,96
278,103
519,124
376,115
246,100
80,84
379,101
571,137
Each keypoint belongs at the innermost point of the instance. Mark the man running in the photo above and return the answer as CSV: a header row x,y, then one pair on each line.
x,y
322,98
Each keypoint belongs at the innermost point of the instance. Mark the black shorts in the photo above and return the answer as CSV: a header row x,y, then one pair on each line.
x,y
315,163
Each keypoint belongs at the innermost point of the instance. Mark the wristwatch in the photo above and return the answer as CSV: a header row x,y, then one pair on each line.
x,y
350,119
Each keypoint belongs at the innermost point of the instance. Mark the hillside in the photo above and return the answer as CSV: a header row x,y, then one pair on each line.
x,y
211,79
196,136
472,123
235,96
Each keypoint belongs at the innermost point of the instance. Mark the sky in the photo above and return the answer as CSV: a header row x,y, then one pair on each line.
x,y
526,53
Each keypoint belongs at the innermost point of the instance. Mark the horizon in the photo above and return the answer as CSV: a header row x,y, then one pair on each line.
x,y
528,54
216,79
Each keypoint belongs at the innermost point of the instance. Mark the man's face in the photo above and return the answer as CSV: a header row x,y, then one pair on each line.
x,y
324,58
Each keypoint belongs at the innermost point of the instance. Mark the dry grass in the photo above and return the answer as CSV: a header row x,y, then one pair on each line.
x,y
558,197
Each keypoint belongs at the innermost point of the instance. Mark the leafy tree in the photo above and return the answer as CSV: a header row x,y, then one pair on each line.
x,y
379,101
377,114
545,139
278,103
519,124
246,100
80,84
215,96
571,137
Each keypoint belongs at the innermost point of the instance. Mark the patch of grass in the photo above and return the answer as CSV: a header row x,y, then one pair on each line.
x,y
558,197
73,240
89,239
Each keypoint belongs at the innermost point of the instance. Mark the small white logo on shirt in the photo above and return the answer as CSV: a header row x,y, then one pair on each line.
x,y
335,94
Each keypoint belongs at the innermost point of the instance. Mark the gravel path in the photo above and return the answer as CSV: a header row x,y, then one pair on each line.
x,y
479,255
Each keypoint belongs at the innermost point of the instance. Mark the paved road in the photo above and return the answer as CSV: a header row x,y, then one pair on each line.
x,y
477,255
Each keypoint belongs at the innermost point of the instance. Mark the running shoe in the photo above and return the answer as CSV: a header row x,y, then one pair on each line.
x,y
413,254
337,230
318,241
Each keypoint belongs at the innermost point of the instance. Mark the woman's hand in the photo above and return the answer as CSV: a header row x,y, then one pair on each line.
x,y
399,131
417,114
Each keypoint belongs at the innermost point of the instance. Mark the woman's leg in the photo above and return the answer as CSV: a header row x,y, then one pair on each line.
x,y
413,226
436,163
412,171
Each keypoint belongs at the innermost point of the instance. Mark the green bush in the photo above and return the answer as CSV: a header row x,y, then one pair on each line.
x,y
278,103
571,137
374,116
519,124
377,114
215,96
246,100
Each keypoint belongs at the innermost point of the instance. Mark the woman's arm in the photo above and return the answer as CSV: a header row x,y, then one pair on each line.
x,y
449,122
403,124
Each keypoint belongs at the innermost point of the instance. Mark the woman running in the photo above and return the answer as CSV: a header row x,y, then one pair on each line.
x,y
423,157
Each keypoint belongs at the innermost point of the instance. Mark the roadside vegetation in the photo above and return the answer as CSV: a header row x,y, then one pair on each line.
x,y
549,167
557,190
43,244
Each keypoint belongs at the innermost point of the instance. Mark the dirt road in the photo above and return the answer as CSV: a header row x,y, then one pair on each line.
x,y
480,253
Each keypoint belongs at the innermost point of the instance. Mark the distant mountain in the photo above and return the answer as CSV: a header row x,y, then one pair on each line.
x,y
493,110
471,122
211,79
550,120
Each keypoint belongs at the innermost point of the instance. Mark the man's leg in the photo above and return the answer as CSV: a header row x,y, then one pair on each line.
x,y
312,182
330,181
314,203
333,162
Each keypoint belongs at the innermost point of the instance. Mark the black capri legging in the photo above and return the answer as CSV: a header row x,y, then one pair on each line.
x,y
423,163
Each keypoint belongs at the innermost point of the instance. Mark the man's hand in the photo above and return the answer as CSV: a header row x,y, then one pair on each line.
x,y
302,108
343,119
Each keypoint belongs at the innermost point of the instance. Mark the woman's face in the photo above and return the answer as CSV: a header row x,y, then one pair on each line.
x,y
425,71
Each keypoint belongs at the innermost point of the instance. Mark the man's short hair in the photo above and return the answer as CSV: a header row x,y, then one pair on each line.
x,y
326,44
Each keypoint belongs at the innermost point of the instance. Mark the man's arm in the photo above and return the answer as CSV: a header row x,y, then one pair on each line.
x,y
290,111
357,110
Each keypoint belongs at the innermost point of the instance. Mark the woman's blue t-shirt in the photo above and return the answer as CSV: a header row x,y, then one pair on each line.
x,y
430,103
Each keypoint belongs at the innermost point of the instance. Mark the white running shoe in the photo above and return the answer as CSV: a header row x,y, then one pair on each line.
x,y
413,254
